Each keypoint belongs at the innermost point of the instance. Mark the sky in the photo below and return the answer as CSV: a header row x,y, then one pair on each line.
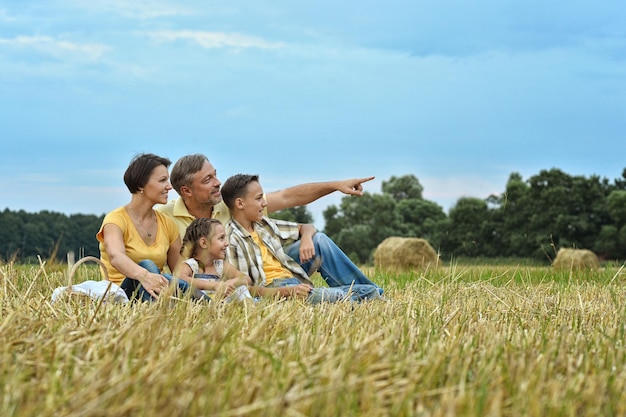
x,y
459,94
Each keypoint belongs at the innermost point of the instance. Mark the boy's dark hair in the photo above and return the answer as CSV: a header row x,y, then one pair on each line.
x,y
236,187
140,168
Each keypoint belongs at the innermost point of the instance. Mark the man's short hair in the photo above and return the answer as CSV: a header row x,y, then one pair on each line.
x,y
184,169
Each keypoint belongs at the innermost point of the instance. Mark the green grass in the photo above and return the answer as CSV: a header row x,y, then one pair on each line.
x,y
502,340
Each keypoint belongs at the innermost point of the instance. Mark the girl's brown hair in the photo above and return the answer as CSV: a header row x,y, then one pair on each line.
x,y
199,228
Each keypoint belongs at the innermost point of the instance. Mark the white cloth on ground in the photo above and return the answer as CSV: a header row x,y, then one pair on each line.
x,y
95,290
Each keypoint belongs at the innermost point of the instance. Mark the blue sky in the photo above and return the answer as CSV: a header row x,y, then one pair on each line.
x,y
460,94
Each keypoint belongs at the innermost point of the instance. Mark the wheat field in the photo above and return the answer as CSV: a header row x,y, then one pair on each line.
x,y
457,341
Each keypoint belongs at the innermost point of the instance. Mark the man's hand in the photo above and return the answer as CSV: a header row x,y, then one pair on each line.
x,y
353,187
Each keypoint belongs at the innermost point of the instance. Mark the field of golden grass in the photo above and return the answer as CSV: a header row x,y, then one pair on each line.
x,y
459,341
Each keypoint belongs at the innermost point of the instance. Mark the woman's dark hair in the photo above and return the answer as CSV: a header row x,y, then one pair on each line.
x,y
140,169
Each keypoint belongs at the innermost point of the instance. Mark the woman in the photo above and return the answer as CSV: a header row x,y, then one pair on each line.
x,y
136,241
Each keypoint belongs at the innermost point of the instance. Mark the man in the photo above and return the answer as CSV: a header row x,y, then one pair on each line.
x,y
256,248
195,180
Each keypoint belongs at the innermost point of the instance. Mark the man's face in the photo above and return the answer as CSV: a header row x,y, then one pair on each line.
x,y
205,187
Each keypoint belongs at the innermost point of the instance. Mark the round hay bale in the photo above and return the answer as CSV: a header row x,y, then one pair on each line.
x,y
405,253
567,258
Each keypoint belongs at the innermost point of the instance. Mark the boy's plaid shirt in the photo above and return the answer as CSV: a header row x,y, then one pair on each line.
x,y
245,254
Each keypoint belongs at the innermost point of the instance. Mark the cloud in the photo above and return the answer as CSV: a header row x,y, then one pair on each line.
x,y
56,47
214,40
4,16
38,178
136,9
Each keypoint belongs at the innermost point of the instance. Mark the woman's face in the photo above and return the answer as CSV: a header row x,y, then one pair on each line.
x,y
158,185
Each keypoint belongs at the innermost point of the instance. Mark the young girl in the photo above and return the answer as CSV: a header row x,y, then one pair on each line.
x,y
203,251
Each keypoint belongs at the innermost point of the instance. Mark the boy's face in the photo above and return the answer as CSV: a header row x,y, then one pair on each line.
x,y
253,203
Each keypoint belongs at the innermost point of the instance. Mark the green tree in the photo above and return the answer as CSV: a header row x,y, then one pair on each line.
x,y
467,220
420,218
403,188
358,225
45,234
294,214
374,214
554,210
509,221
616,206
11,225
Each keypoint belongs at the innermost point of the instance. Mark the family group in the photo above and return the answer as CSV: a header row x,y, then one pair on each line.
x,y
217,242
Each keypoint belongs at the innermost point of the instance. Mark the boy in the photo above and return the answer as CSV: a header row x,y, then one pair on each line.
x,y
256,248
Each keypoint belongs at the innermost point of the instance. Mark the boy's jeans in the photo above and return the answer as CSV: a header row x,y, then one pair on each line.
x,y
336,268
356,292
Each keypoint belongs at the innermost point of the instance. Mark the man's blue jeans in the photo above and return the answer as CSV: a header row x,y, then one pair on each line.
x,y
336,268
356,292
135,291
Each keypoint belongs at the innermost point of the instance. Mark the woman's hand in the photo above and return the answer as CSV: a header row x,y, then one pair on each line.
x,y
153,283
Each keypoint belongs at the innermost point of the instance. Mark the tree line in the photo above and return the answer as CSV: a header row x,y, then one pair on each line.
x,y
25,236
530,219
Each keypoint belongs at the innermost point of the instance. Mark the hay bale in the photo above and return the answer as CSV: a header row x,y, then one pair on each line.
x,y
405,253
567,258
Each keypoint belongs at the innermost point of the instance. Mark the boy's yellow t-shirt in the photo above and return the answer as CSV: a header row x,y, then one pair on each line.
x,y
271,266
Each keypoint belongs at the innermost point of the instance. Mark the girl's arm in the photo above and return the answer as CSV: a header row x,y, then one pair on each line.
x,y
184,272
230,273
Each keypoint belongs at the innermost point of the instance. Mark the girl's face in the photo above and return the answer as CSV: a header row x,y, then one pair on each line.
x,y
218,243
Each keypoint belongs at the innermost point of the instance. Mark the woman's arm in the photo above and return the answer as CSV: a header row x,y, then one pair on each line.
x,y
113,240
173,255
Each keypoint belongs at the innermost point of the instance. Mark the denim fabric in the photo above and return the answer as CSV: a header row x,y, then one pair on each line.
x,y
336,268
135,291
356,292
